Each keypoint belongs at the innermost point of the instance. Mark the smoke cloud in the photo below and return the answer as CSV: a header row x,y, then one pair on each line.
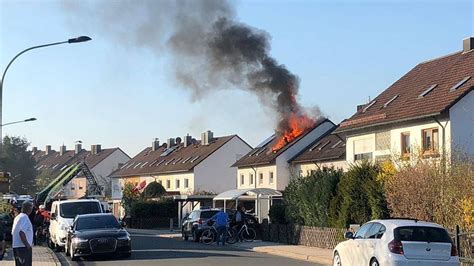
x,y
208,47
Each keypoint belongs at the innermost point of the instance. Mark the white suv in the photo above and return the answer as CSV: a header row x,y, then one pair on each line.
x,y
62,216
397,242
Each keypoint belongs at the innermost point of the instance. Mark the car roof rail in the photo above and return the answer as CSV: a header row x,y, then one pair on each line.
x,y
401,218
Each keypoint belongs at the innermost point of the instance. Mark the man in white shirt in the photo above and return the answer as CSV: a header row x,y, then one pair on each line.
x,y
22,235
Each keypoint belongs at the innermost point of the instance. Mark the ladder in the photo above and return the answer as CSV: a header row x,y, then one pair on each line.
x,y
93,188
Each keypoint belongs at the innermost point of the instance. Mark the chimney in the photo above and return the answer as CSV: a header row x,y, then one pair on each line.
x,y
207,137
47,150
155,145
468,44
360,107
170,142
62,150
188,140
34,150
95,149
78,148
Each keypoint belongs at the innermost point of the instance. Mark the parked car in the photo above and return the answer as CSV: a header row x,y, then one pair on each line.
x,y
196,222
62,216
397,242
92,234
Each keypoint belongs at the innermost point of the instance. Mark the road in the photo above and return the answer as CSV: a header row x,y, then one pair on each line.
x,y
154,250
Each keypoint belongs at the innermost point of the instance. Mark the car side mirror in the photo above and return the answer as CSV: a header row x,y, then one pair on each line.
x,y
71,228
53,216
349,235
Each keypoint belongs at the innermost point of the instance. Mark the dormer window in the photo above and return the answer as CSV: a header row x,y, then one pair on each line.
x,y
425,92
368,106
459,84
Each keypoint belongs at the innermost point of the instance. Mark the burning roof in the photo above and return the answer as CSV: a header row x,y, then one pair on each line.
x,y
265,153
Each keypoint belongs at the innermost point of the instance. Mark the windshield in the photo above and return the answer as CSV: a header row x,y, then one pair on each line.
x,y
71,209
97,222
208,214
422,234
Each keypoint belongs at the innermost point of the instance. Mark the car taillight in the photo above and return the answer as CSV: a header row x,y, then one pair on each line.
x,y
395,246
454,250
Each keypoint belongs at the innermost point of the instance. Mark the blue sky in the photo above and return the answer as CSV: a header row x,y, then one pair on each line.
x,y
102,92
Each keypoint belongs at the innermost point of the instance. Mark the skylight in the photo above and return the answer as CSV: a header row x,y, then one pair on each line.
x,y
423,94
187,159
194,159
390,101
335,145
314,146
162,161
253,152
177,160
324,145
368,106
143,165
459,84
138,164
170,161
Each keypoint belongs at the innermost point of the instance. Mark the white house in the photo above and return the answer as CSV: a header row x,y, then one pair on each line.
x,y
183,167
264,168
427,113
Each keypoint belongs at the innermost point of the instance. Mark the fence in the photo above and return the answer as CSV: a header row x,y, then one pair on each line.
x,y
465,245
321,237
150,223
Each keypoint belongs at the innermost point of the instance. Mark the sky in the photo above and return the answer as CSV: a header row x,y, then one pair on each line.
x,y
103,92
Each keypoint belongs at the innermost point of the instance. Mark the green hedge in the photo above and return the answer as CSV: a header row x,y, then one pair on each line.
x,y
165,208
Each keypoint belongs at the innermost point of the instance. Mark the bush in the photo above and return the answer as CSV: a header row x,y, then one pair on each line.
x,y
153,190
165,208
359,198
129,196
277,214
307,198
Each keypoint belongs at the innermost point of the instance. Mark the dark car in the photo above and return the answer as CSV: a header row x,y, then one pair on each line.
x,y
98,233
196,222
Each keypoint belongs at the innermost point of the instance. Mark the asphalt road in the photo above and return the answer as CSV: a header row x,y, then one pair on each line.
x,y
153,250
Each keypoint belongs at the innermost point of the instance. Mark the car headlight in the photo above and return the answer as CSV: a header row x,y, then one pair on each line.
x,y
79,240
124,238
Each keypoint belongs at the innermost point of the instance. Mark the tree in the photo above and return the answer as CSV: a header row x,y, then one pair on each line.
x,y
359,198
16,159
43,179
153,190
307,198
129,196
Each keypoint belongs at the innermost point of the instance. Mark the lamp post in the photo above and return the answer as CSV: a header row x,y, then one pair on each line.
x,y
73,40
21,121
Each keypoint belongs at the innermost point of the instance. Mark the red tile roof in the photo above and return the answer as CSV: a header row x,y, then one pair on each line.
x,y
331,147
444,72
181,159
262,155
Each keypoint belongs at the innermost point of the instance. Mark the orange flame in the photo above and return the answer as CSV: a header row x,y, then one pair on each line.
x,y
297,125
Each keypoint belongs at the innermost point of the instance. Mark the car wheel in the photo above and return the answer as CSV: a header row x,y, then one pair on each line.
x,y
195,236
336,261
374,262
71,253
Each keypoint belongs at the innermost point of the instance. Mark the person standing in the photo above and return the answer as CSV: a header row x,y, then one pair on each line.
x,y
22,236
222,219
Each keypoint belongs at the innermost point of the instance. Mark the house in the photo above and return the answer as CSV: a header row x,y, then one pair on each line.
x,y
100,161
183,167
327,151
427,113
264,168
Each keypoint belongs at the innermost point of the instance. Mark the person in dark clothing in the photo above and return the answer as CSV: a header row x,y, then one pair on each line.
x,y
239,219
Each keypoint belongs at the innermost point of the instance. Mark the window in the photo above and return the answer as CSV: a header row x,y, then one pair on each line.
x,y
271,178
251,179
405,140
382,140
430,140
260,179
80,186
368,106
390,101
242,179
425,92
168,184
362,232
176,182
363,156
376,231
459,84
421,234
186,183
72,187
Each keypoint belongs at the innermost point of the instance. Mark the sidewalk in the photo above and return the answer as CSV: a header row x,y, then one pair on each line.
x,y
312,254
42,256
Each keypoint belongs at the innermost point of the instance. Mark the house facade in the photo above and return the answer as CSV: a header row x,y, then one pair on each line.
x,y
427,113
263,168
183,167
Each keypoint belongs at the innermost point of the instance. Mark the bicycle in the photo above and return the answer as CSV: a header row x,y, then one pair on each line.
x,y
246,233
209,235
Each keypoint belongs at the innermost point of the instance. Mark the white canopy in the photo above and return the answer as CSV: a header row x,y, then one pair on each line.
x,y
234,194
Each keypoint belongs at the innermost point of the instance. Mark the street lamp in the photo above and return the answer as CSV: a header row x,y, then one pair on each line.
x,y
73,40
21,121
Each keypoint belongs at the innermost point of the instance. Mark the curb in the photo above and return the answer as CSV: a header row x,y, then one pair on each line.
x,y
293,255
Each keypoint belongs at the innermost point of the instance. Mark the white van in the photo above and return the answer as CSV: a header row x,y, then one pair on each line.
x,y
62,216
